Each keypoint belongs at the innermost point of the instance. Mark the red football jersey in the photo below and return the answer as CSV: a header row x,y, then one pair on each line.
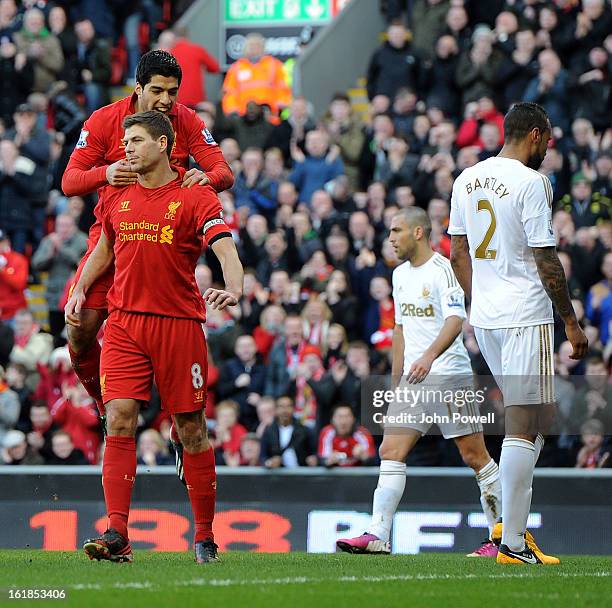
x,y
157,239
330,442
100,145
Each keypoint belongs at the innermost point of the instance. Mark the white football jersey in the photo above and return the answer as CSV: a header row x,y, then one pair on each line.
x,y
504,208
424,297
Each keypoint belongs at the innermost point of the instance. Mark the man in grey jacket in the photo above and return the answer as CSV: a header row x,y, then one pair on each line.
x,y
59,254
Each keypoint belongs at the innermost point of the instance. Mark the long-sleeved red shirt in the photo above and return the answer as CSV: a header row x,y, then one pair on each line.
x,y
192,58
13,281
100,145
81,423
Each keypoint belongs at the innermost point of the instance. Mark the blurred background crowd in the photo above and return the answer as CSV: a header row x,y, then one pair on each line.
x,y
310,210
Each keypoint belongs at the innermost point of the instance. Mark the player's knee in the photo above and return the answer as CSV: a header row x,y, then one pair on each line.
x,y
192,433
120,423
387,452
193,439
81,338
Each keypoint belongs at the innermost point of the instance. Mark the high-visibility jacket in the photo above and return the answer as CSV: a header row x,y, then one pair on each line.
x,y
263,82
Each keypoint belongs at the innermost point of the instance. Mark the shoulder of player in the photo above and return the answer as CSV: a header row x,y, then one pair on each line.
x,y
466,175
113,111
109,195
186,117
534,180
528,177
443,271
198,197
198,193
401,269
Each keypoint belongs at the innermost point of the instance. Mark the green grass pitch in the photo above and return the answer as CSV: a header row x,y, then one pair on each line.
x,y
293,580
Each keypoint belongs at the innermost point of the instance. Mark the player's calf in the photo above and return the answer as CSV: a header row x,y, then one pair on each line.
x,y
177,447
85,352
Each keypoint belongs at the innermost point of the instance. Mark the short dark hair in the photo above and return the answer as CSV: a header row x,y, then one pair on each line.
x,y
283,397
157,63
341,405
155,124
341,96
522,118
416,216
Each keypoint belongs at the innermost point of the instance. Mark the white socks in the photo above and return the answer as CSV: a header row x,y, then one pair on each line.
x,y
388,493
538,445
510,496
490,493
516,467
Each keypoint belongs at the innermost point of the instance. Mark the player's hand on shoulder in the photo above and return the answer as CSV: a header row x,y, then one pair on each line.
x,y
194,177
120,174
578,340
220,298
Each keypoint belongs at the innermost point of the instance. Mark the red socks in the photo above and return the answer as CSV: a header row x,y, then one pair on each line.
x,y
87,367
118,475
201,481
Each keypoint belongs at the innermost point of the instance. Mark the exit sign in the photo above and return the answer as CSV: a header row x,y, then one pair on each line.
x,y
266,11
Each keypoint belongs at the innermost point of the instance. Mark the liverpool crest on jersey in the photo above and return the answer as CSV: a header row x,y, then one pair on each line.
x,y
172,207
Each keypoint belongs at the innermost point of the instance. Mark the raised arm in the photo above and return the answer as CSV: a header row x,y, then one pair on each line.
x,y
87,168
554,282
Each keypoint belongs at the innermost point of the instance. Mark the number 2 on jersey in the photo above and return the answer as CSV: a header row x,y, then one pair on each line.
x,y
482,253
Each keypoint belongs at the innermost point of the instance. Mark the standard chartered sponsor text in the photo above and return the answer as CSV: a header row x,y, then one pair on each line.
x,y
150,234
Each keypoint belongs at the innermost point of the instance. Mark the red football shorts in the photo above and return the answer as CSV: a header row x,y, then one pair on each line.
x,y
138,347
96,294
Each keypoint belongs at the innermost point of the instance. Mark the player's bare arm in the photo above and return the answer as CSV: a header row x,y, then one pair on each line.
x,y
97,264
420,368
397,354
233,275
462,263
554,282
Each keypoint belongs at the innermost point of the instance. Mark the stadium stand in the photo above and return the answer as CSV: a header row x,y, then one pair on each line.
x,y
310,211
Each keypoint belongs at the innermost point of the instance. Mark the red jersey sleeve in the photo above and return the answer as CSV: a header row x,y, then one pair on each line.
x,y
208,216
102,213
208,61
206,152
86,170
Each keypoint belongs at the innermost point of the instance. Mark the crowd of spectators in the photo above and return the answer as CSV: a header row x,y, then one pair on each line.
x,y
310,210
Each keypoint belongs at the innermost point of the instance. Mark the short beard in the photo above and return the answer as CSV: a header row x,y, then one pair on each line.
x,y
535,161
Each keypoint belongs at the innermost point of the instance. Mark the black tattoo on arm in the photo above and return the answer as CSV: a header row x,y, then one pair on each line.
x,y
554,281
462,263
